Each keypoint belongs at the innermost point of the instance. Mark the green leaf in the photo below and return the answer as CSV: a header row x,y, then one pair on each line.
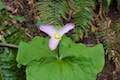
x,y
0,75
40,22
34,51
76,61
93,55
2,6
106,4
19,18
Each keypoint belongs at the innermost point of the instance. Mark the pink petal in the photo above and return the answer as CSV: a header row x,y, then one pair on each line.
x,y
48,29
53,43
66,28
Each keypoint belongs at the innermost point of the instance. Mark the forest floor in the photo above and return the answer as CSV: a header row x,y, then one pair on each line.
x,y
109,72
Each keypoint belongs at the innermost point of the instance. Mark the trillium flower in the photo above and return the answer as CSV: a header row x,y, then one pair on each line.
x,y
55,35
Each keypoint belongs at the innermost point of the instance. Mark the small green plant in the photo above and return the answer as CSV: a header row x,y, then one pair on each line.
x,y
2,6
106,5
70,61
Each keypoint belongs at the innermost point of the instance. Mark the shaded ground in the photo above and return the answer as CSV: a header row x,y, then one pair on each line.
x,y
109,72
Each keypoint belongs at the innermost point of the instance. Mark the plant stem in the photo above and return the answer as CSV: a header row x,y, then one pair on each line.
x,y
8,45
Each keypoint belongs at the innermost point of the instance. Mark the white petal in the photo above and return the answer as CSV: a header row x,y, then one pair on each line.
x,y
48,29
66,28
53,43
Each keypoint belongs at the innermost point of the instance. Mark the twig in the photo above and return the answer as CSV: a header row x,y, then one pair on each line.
x,y
8,45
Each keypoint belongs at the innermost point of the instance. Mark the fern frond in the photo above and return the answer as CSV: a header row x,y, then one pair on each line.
x,y
83,12
79,12
7,66
82,16
12,34
51,11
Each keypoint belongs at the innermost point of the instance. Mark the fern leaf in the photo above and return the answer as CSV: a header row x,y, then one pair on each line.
x,y
51,11
12,34
82,16
83,12
7,65
57,12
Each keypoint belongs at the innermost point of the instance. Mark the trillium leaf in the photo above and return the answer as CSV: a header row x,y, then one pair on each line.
x,y
36,50
76,61
90,59
56,70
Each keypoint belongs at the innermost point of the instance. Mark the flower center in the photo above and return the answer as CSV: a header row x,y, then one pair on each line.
x,y
57,35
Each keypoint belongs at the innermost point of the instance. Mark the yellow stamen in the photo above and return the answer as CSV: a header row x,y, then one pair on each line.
x,y
57,35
